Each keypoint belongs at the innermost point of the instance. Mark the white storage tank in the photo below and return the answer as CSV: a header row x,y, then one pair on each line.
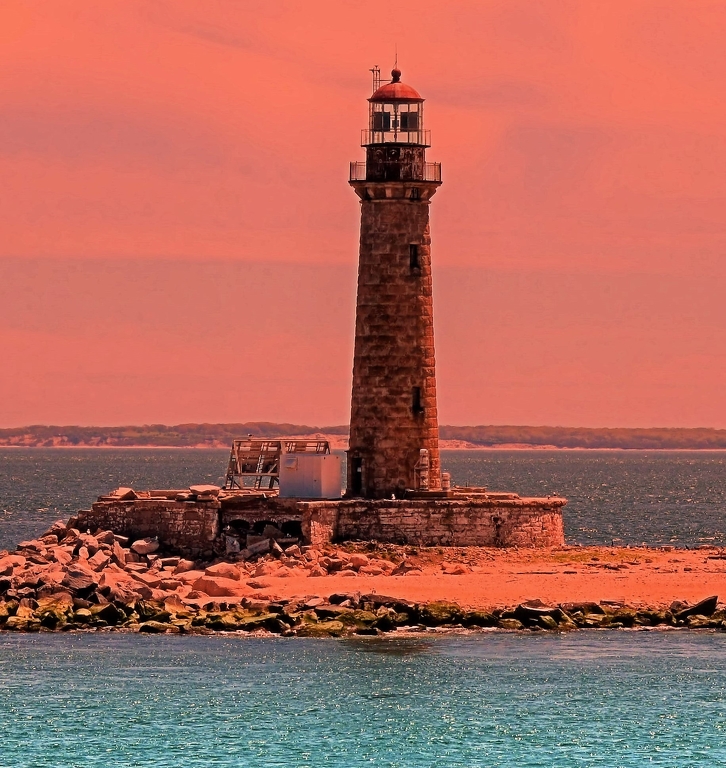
x,y
310,476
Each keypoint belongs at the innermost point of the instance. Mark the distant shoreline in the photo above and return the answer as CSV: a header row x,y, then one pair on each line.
x,y
442,446
465,438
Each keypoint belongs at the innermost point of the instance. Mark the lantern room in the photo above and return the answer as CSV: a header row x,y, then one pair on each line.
x,y
395,115
395,139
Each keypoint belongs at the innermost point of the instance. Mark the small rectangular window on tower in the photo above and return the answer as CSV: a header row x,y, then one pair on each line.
x,y
416,405
413,256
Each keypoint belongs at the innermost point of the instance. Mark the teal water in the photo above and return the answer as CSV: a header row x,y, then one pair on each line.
x,y
584,699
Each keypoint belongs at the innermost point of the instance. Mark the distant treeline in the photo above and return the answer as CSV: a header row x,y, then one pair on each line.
x,y
586,437
182,435
179,435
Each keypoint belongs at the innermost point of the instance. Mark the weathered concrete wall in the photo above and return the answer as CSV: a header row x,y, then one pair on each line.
x,y
189,528
449,522
394,342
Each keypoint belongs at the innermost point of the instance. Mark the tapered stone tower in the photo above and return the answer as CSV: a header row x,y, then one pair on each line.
x,y
393,411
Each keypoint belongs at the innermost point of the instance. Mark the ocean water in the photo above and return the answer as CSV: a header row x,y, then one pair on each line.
x,y
629,497
587,699
594,698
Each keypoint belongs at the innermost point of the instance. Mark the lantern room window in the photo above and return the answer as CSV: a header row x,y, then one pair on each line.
x,y
381,121
396,122
409,121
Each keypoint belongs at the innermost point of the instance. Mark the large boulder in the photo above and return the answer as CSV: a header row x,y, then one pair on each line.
x,y
121,587
358,561
224,571
57,529
433,614
706,607
109,613
90,542
510,624
6,610
35,545
157,627
322,629
99,561
145,546
583,608
479,618
269,621
61,555
255,548
118,553
150,578
216,586
358,618
189,577
80,581
55,610
528,613
267,568
105,537
222,622
184,565
396,603
20,624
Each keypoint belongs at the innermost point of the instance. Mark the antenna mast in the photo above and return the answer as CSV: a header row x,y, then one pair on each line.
x,y
376,70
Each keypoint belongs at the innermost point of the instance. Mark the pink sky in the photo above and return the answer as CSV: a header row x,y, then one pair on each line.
x,y
178,241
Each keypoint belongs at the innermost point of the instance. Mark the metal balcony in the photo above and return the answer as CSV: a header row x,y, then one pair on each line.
x,y
429,172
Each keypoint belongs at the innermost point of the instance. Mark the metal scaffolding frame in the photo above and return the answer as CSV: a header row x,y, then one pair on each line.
x,y
254,463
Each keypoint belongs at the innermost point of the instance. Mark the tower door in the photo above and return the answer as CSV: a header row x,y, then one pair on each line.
x,y
356,467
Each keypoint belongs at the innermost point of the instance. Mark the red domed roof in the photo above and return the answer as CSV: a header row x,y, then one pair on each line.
x,y
396,90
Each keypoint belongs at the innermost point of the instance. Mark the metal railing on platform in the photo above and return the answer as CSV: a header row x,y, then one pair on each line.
x,y
432,172
358,171
429,172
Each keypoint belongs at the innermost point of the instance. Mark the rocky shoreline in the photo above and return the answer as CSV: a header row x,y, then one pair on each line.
x,y
67,580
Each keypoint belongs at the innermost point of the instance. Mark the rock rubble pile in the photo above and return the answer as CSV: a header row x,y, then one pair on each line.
x,y
71,580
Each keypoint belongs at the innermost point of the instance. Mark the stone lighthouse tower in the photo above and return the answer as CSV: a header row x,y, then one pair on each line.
x,y
394,432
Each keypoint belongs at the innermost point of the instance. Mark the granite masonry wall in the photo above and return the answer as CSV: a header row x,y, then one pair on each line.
x,y
393,404
189,528
195,528
507,522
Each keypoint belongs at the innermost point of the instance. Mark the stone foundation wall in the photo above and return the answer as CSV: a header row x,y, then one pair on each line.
x,y
320,522
273,510
450,522
194,528
185,527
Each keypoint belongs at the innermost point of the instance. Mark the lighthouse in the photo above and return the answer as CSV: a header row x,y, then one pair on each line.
x,y
394,432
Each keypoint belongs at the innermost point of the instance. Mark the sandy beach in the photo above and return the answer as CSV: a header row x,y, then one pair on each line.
x,y
488,578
